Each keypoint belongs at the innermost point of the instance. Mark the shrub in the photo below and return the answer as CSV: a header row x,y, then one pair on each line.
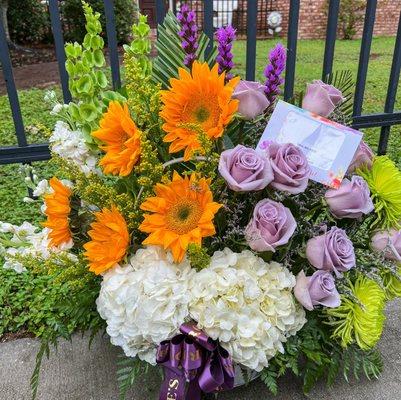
x,y
350,17
28,21
74,20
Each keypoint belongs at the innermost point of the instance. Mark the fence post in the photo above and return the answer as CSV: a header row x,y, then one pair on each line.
x,y
11,89
392,90
292,38
112,43
160,11
252,11
59,45
331,33
364,54
208,23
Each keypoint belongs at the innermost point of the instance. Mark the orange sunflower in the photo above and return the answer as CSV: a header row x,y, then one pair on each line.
x,y
110,240
121,140
57,211
197,100
182,213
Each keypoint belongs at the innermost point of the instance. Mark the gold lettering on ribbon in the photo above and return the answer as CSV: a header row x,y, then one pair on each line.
x,y
194,355
195,332
173,384
177,357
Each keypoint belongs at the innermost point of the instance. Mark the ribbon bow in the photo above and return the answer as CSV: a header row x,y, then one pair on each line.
x,y
195,358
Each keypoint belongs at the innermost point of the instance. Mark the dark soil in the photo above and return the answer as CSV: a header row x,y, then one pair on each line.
x,y
12,336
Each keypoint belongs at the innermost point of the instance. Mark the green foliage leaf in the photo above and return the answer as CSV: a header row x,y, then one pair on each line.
x,y
88,112
170,53
129,370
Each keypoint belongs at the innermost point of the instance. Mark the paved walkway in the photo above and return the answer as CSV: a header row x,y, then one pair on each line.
x,y
76,373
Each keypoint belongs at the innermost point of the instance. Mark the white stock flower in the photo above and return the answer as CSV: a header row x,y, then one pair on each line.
x,y
71,146
145,301
247,304
42,188
27,242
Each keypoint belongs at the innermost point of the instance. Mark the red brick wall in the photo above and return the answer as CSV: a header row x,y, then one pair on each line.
x,y
313,19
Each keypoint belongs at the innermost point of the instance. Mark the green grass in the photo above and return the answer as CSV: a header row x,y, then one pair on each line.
x,y
309,67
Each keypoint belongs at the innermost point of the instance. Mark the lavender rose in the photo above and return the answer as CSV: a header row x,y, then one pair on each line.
x,y
252,99
244,169
318,289
271,226
389,242
351,199
363,156
332,251
290,168
321,98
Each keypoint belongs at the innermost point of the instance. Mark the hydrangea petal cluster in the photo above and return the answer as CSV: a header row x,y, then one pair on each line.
x,y
225,38
145,301
71,146
273,71
188,33
249,306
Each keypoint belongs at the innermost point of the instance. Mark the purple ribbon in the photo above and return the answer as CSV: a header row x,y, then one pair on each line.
x,y
194,358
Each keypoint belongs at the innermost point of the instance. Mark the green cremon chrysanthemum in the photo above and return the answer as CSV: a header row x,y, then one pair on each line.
x,y
361,322
392,284
384,180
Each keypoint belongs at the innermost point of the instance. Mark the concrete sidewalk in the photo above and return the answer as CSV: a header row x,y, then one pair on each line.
x,y
76,373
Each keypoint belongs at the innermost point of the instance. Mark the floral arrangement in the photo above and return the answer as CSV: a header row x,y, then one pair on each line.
x,y
210,259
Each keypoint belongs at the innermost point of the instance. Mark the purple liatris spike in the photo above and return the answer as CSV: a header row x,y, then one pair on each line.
x,y
225,37
188,33
273,71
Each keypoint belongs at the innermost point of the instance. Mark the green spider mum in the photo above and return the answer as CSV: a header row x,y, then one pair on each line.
x,y
362,321
392,284
384,180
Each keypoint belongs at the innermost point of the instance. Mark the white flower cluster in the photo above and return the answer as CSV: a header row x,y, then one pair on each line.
x,y
71,146
145,301
247,304
26,241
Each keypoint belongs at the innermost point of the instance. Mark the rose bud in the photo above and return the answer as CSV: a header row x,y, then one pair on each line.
x,y
244,169
290,168
363,157
318,289
252,99
351,199
332,251
321,98
389,242
272,225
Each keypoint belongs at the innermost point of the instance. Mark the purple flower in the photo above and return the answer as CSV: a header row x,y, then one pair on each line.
x,y
273,71
252,99
363,157
290,168
244,169
351,199
272,225
225,38
332,251
321,98
389,242
188,33
318,289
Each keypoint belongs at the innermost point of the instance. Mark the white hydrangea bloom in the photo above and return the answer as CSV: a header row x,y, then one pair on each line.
x,y
26,241
145,301
71,146
247,304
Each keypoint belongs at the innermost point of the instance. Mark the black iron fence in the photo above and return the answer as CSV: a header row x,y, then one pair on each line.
x,y
26,152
